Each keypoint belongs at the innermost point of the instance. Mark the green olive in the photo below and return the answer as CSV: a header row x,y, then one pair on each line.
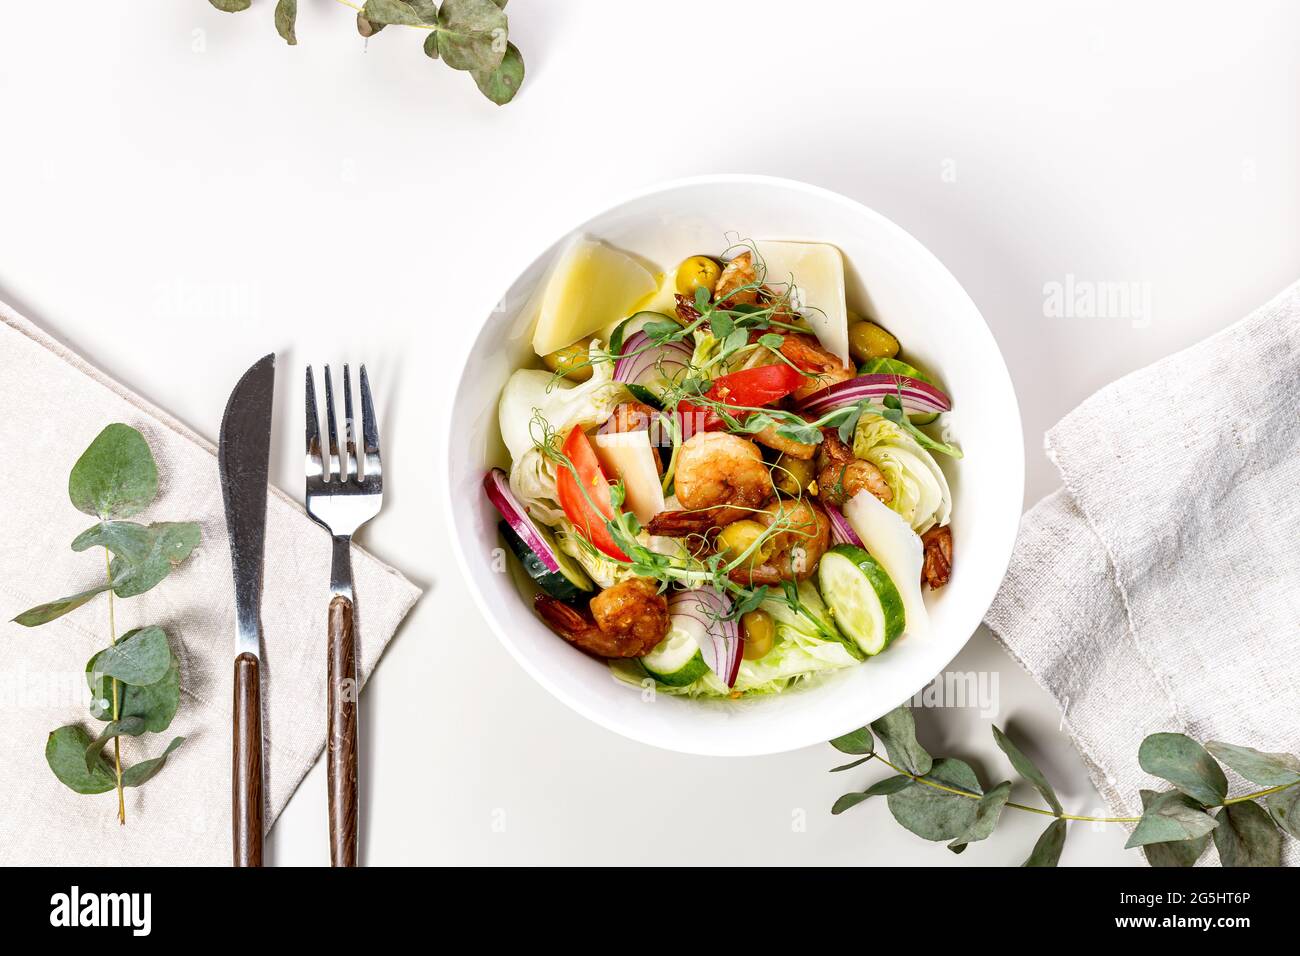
x,y
869,341
759,632
738,537
792,476
571,361
697,272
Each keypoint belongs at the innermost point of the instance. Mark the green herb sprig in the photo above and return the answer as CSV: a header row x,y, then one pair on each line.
x,y
467,35
942,798
135,681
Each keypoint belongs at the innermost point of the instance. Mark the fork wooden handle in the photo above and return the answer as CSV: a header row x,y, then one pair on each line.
x,y
246,778
341,763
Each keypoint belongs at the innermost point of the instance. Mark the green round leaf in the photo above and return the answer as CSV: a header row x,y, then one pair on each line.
x,y
1186,764
143,555
128,727
501,85
65,752
116,476
286,16
897,731
431,45
879,788
857,741
1246,836
145,770
231,6
1285,807
380,12
987,813
936,814
1175,853
472,34
140,657
1170,816
1265,769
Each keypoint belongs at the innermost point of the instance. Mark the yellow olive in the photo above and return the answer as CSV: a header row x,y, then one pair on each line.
x,y
869,341
571,361
792,476
695,272
736,538
760,634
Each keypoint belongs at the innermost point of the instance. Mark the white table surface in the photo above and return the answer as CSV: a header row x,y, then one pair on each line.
x,y
180,192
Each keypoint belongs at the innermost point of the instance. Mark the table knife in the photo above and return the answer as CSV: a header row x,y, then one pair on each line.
x,y
243,457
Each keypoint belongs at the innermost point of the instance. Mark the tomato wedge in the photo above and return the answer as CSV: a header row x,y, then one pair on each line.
x,y
752,388
588,509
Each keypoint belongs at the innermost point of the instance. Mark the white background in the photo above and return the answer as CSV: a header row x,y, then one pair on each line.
x,y
180,192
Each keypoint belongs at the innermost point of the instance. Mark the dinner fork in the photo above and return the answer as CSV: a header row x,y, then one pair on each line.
x,y
341,499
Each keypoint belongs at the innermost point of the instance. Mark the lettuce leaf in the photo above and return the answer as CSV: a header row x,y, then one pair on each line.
x,y
921,496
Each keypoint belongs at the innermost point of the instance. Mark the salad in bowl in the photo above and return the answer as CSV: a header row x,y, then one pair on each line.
x,y
722,480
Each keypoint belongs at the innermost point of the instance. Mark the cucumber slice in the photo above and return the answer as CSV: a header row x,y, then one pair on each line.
x,y
569,584
644,395
676,660
866,605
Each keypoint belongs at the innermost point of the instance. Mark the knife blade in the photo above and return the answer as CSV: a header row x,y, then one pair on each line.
x,y
243,459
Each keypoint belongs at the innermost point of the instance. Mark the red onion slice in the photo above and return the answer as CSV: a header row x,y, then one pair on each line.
x,y
644,363
723,648
914,394
841,531
497,485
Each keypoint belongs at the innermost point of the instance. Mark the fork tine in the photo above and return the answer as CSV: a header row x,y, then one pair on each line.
x,y
369,428
315,467
331,426
351,466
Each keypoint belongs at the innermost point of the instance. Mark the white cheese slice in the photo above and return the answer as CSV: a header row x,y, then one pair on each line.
x,y
591,285
818,273
628,455
898,548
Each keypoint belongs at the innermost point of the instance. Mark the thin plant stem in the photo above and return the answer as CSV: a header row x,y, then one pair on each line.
x,y
1065,816
117,747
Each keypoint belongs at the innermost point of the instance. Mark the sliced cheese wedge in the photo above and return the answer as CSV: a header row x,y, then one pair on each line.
x,y
628,455
898,549
818,273
591,285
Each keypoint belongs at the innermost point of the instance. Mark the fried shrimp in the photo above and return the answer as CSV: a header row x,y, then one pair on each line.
x,y
937,568
717,468
626,620
802,536
822,368
841,476
739,273
795,449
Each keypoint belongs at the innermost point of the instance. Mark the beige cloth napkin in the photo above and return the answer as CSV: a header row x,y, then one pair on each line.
x,y
1159,590
54,404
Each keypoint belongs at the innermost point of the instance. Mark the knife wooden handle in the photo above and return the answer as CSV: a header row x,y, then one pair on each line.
x,y
246,781
341,763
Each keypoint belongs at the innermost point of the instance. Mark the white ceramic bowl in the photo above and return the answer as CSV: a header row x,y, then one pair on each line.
x,y
892,278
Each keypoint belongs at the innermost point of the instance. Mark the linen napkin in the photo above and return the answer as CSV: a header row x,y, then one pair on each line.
x,y
1158,590
55,403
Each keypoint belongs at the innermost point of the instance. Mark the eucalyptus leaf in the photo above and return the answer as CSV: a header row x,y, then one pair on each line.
x,y
878,789
1025,767
850,765
1047,851
144,555
382,12
1170,816
501,85
365,27
286,16
1257,766
426,10
145,770
156,704
472,34
1285,807
431,45
858,741
140,657
1186,764
935,814
65,752
1175,853
116,476
44,613
127,727
897,730
987,813
231,6
1246,836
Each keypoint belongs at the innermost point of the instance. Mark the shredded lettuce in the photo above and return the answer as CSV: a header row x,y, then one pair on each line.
x,y
531,394
920,491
